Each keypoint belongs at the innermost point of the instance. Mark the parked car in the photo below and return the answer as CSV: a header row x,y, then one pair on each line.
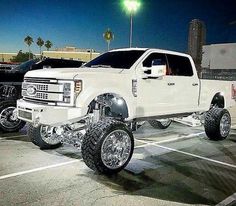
x,y
95,107
7,65
10,88
56,63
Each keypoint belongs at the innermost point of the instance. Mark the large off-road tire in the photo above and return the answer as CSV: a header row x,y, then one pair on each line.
x,y
107,146
160,124
8,118
44,137
217,123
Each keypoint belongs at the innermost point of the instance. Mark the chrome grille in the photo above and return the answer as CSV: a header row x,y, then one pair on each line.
x,y
44,91
48,91
38,95
39,87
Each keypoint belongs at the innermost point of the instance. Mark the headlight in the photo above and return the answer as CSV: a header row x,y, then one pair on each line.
x,y
70,89
66,92
67,98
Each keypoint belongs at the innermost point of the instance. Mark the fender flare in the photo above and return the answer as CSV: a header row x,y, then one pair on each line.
x,y
84,100
218,100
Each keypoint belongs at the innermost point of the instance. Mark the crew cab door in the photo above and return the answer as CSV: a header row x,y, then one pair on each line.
x,y
184,81
175,92
153,93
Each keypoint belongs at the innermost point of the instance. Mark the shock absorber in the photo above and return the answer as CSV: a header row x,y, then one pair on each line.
x,y
96,112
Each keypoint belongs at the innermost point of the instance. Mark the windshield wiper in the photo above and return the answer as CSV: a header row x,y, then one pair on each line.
x,y
100,66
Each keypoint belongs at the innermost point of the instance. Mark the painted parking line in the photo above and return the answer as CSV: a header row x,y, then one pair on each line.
x,y
6,137
36,169
189,154
231,200
168,140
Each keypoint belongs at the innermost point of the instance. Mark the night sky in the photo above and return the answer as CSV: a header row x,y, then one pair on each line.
x,y
80,23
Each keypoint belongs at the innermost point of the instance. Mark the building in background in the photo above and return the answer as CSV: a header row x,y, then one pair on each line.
x,y
59,53
196,39
219,56
72,53
6,57
219,61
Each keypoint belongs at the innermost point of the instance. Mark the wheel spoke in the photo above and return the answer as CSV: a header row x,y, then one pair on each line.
x,y
48,134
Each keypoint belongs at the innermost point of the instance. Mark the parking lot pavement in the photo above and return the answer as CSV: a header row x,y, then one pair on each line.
x,y
176,166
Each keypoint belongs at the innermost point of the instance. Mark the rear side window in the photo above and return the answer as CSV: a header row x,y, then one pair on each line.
x,y
179,65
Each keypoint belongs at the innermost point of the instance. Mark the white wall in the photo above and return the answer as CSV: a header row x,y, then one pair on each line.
x,y
219,56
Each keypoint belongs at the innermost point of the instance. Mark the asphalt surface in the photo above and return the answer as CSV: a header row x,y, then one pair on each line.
x,y
176,166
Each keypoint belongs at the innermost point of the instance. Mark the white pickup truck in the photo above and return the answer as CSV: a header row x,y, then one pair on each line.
x,y
95,107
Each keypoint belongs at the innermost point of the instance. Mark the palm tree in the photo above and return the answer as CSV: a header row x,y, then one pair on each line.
x,y
40,43
108,36
48,44
28,40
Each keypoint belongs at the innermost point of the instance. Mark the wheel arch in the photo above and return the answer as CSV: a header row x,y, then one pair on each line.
x,y
86,100
218,100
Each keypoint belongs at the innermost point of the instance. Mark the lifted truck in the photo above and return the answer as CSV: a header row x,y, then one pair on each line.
x,y
94,108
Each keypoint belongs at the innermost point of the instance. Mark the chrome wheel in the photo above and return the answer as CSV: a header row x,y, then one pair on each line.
x,y
225,124
49,135
116,149
8,118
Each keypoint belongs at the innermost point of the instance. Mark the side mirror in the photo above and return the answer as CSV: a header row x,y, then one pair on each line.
x,y
155,71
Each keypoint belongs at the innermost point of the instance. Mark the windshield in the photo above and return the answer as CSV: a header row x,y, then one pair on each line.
x,y
25,66
116,59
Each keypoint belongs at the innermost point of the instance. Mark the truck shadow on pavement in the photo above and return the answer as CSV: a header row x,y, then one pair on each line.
x,y
177,178
18,136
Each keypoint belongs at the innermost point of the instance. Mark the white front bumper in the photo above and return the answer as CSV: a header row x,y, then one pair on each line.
x,y
48,115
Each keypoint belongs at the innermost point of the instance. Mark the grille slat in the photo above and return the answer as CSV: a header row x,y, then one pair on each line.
x,y
45,91
38,95
39,87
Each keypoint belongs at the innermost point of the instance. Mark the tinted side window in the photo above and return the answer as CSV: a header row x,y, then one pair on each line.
x,y
179,65
155,58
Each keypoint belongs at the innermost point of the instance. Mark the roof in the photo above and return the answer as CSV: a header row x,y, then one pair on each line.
x,y
151,49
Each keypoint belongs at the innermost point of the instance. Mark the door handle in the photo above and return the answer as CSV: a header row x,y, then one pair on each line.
x,y
195,84
171,84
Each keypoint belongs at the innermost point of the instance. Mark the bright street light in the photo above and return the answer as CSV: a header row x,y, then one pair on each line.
x,y
131,6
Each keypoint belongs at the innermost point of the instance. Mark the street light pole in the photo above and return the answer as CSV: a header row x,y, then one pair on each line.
x,y
131,6
131,30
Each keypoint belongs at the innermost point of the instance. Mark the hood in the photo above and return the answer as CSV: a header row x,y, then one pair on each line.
x,y
69,73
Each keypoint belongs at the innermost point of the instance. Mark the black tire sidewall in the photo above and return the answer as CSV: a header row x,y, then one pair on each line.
x,y
212,123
